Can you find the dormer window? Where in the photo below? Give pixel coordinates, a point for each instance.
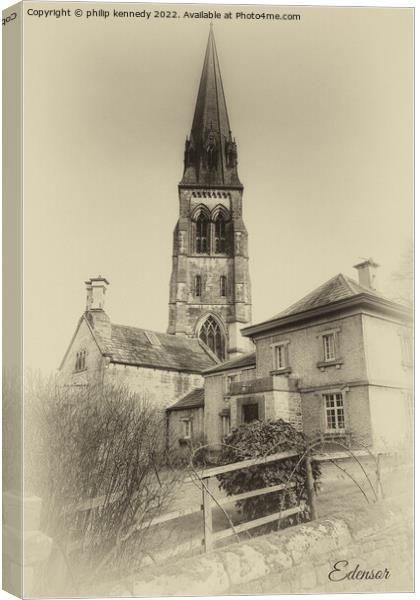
(80, 361)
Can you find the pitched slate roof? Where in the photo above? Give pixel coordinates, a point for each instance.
(337, 288)
(194, 399)
(133, 346)
(247, 360)
(334, 291)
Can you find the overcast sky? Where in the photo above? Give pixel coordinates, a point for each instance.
(321, 109)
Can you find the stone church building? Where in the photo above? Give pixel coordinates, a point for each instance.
(320, 364)
(210, 294)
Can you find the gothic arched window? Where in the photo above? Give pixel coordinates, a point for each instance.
(202, 235)
(223, 285)
(220, 235)
(212, 335)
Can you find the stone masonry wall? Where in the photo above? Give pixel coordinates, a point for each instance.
(158, 386)
(357, 417)
(305, 350)
(83, 341)
(297, 560)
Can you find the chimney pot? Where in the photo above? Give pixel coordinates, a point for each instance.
(366, 272)
(95, 293)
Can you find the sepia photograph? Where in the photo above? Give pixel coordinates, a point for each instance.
(208, 242)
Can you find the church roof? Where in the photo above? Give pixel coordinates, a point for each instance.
(247, 360)
(211, 126)
(194, 399)
(141, 347)
(332, 294)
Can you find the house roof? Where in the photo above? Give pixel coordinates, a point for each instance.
(247, 360)
(337, 288)
(194, 399)
(333, 293)
(141, 347)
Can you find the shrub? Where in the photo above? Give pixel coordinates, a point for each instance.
(96, 443)
(259, 439)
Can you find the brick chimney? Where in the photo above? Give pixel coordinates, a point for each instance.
(95, 302)
(366, 272)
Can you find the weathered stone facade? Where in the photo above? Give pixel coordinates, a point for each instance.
(336, 364)
(159, 367)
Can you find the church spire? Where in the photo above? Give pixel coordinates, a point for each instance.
(210, 151)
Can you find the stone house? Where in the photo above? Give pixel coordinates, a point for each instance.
(160, 367)
(330, 364)
(185, 420)
(337, 363)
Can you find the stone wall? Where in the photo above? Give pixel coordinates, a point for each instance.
(357, 418)
(176, 420)
(214, 404)
(297, 560)
(159, 386)
(93, 373)
(384, 359)
(305, 350)
(392, 418)
(234, 309)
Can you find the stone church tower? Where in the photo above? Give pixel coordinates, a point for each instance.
(210, 292)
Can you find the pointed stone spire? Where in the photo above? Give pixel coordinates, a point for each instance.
(210, 151)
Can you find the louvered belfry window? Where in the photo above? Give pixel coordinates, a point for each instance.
(202, 235)
(220, 235)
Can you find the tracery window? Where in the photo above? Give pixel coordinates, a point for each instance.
(212, 335)
(202, 235)
(220, 235)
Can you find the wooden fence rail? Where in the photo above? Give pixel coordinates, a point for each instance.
(203, 478)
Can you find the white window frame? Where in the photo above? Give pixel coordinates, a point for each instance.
(337, 410)
(283, 348)
(187, 425)
(329, 347)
